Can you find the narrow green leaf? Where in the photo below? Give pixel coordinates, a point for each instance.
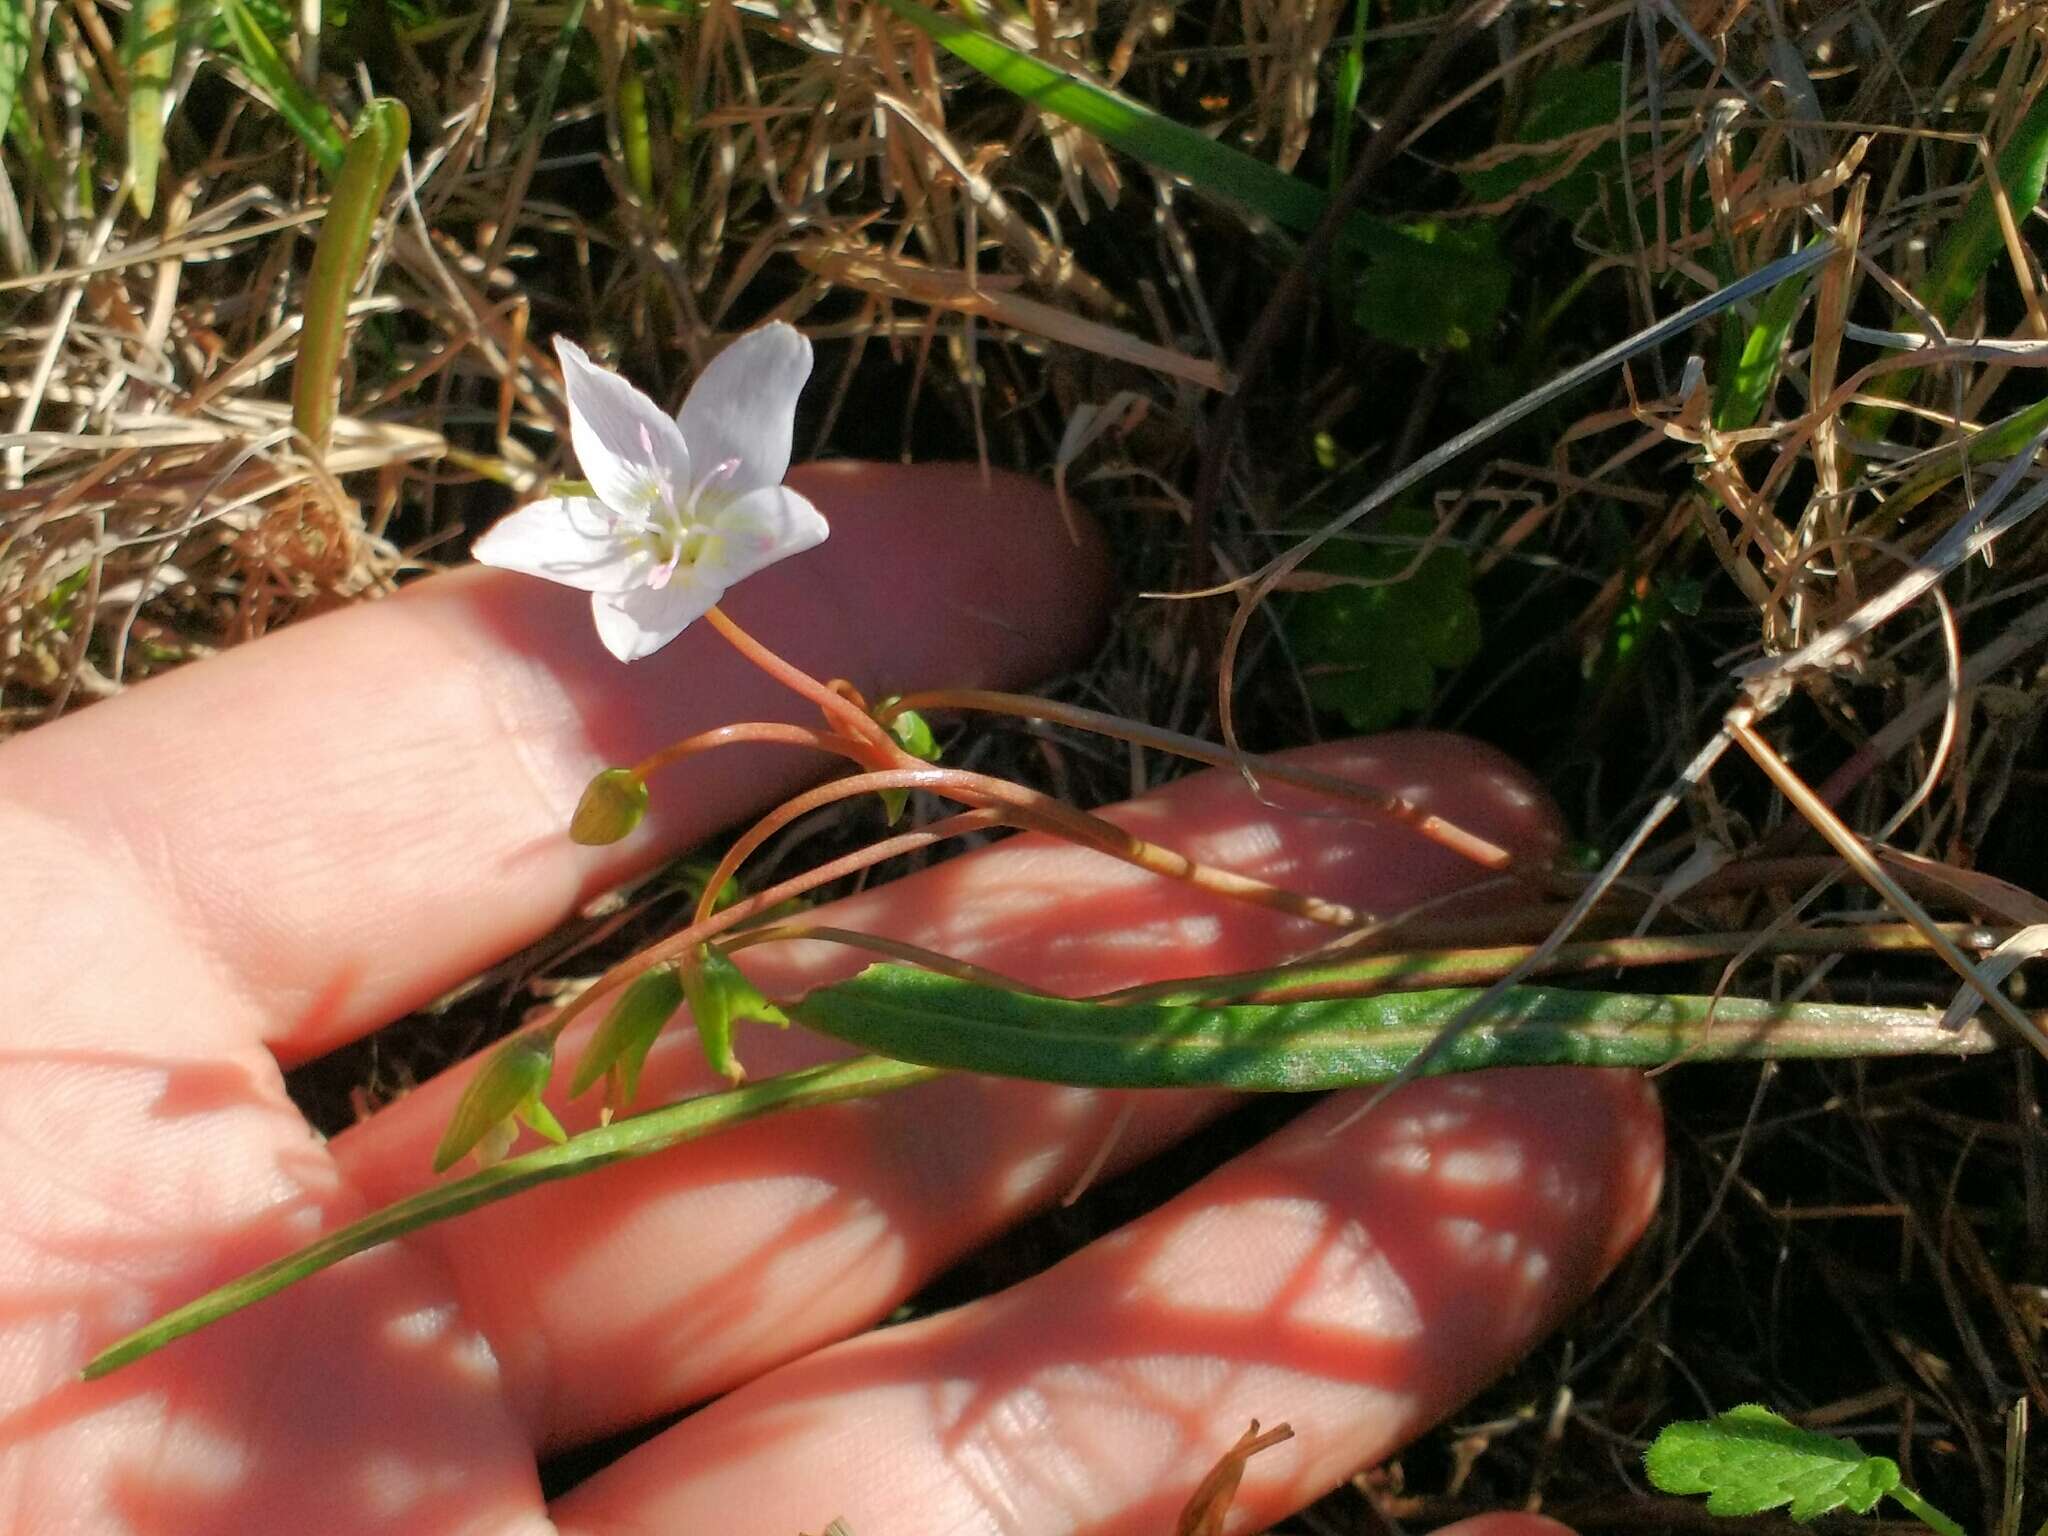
(267, 68)
(374, 150)
(13, 57)
(149, 54)
(1125, 124)
(1966, 253)
(1974, 242)
(1748, 1460)
(1344, 100)
(509, 1082)
(1744, 391)
(720, 994)
(622, 1041)
(2001, 440)
(1305, 1047)
(833, 1083)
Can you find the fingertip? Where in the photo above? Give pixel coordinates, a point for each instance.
(1507, 1522)
(1022, 586)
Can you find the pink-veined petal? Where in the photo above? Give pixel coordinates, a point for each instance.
(764, 526)
(634, 625)
(626, 444)
(742, 409)
(569, 539)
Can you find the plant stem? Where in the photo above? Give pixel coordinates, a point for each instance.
(680, 944)
(754, 731)
(853, 721)
(622, 1140)
(1401, 971)
(1446, 834)
(1926, 1513)
(1030, 810)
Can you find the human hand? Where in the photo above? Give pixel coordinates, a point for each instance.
(252, 862)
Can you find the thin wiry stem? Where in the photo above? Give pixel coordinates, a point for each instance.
(769, 732)
(1446, 834)
(685, 941)
(1030, 810)
(853, 721)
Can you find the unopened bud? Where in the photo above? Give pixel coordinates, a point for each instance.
(620, 1046)
(610, 809)
(719, 993)
(506, 1088)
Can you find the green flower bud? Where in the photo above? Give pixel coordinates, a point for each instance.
(719, 993)
(610, 809)
(619, 1048)
(913, 733)
(506, 1088)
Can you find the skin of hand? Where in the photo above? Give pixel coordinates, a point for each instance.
(242, 865)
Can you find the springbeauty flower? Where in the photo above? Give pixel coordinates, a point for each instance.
(683, 507)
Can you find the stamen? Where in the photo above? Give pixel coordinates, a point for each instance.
(661, 575)
(724, 469)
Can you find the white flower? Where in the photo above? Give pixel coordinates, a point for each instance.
(685, 507)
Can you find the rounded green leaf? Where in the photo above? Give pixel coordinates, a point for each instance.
(610, 809)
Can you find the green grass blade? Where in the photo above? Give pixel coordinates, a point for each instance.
(1334, 1043)
(1755, 374)
(13, 56)
(1124, 124)
(618, 1142)
(1965, 255)
(298, 106)
(374, 150)
(2001, 440)
(1344, 101)
(149, 55)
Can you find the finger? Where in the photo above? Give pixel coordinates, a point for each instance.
(288, 843)
(1506, 1522)
(1356, 1278)
(651, 1285)
(310, 835)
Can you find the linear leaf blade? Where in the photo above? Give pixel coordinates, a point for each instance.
(1329, 1043)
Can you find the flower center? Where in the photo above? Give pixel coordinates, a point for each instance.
(677, 531)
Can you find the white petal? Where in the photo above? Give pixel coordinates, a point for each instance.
(638, 623)
(571, 540)
(765, 526)
(626, 444)
(743, 406)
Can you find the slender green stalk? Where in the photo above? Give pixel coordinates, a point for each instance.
(149, 53)
(1406, 970)
(618, 1142)
(1926, 1513)
(374, 150)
